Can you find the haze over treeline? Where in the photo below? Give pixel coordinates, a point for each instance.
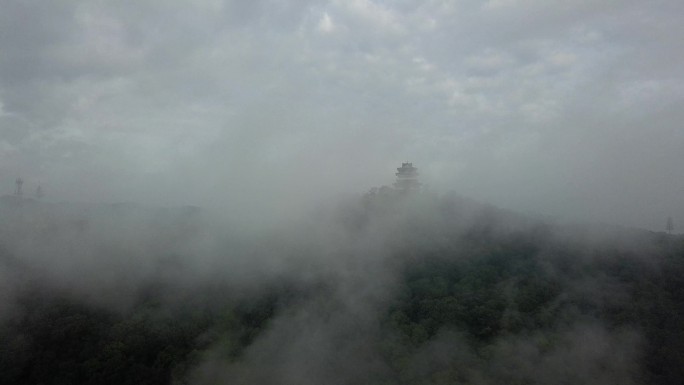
(570, 110)
(384, 288)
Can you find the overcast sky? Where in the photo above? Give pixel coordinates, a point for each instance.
(572, 109)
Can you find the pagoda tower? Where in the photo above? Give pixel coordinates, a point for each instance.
(407, 178)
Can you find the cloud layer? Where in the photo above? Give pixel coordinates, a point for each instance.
(568, 110)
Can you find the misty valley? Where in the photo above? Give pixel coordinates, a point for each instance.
(387, 287)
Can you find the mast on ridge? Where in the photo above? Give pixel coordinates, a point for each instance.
(19, 182)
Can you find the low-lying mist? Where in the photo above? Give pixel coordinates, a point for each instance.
(387, 287)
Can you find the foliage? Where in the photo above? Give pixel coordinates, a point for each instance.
(482, 295)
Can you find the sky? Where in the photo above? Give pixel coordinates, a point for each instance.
(568, 109)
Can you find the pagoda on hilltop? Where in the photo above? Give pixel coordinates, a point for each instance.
(407, 178)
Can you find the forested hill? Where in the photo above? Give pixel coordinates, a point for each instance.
(381, 289)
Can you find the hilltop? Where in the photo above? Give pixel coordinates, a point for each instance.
(381, 288)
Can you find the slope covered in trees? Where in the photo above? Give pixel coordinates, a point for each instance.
(382, 289)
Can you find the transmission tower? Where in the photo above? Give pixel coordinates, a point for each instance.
(19, 182)
(39, 192)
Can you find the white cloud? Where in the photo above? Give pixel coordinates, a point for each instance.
(490, 60)
(380, 16)
(325, 24)
(563, 59)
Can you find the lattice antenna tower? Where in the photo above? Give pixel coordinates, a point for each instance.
(19, 183)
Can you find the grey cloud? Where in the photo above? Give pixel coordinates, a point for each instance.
(519, 96)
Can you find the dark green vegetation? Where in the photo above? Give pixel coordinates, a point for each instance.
(395, 290)
(59, 340)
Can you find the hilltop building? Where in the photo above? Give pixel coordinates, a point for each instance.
(407, 178)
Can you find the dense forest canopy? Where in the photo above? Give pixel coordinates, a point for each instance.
(384, 288)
